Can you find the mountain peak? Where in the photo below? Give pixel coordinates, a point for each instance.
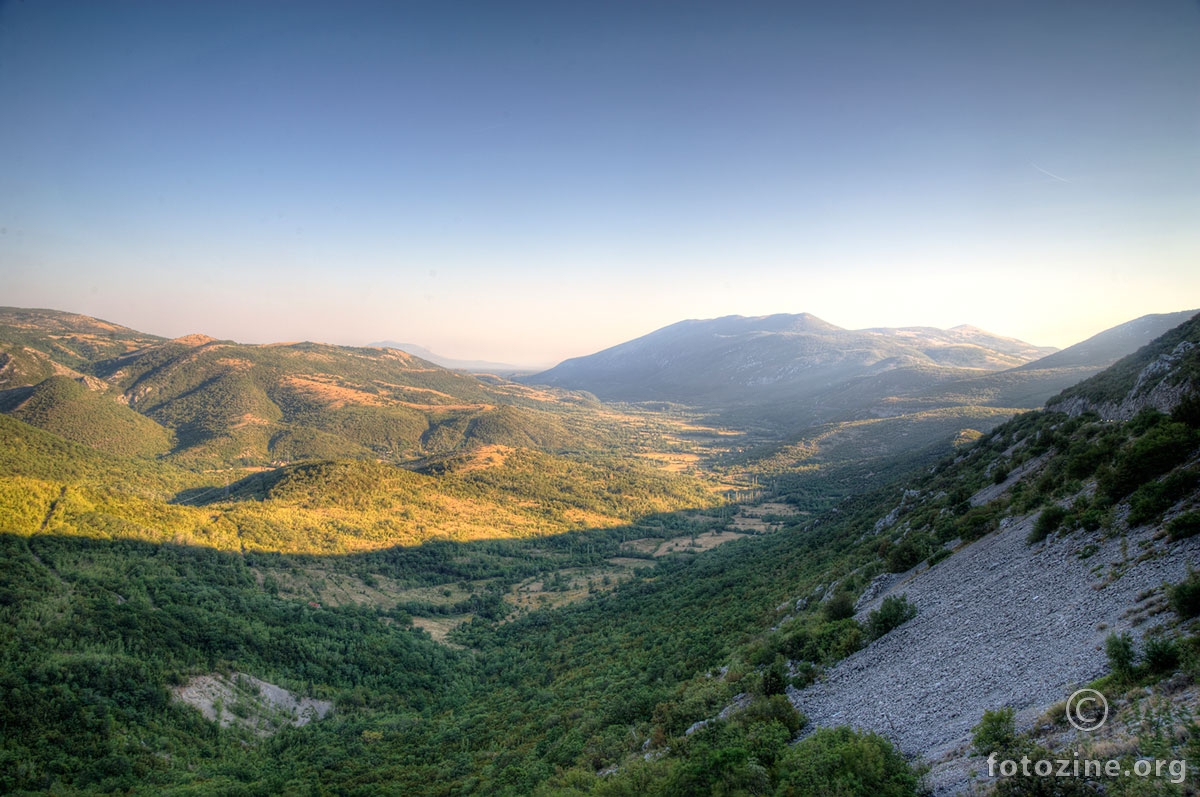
(796, 363)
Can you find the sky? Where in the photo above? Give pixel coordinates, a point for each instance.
(526, 182)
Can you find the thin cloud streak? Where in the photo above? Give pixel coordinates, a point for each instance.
(1050, 174)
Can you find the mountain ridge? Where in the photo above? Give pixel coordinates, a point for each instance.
(225, 403)
(748, 351)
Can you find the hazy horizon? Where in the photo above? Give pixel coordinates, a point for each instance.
(536, 181)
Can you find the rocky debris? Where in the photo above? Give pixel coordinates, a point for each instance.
(994, 491)
(252, 703)
(891, 517)
(876, 588)
(888, 520)
(999, 623)
(740, 701)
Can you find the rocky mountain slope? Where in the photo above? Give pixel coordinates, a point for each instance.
(999, 623)
(1019, 617)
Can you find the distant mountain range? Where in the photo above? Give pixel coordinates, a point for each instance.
(475, 366)
(736, 360)
(793, 381)
(793, 371)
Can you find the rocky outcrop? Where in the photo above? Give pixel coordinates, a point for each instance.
(249, 702)
(1158, 386)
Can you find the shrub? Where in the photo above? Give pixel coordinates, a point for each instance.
(806, 674)
(977, 522)
(1150, 500)
(1184, 526)
(774, 680)
(1185, 597)
(1091, 519)
(995, 733)
(1145, 420)
(1084, 457)
(819, 642)
(775, 708)
(1119, 649)
(908, 553)
(1161, 655)
(839, 607)
(893, 612)
(1048, 522)
(1157, 451)
(841, 762)
(1188, 411)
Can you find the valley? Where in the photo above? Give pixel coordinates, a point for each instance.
(485, 586)
(561, 399)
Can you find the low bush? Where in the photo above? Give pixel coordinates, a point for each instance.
(839, 607)
(1185, 597)
(1161, 655)
(909, 552)
(893, 612)
(1184, 526)
(995, 733)
(1047, 523)
(1150, 500)
(1119, 650)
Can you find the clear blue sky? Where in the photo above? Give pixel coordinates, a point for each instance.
(531, 181)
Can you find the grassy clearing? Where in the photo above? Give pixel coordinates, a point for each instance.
(440, 627)
(761, 518)
(572, 584)
(697, 543)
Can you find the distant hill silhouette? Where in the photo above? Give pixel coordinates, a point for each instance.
(478, 366)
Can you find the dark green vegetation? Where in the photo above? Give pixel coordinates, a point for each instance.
(123, 577)
(101, 630)
(65, 407)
